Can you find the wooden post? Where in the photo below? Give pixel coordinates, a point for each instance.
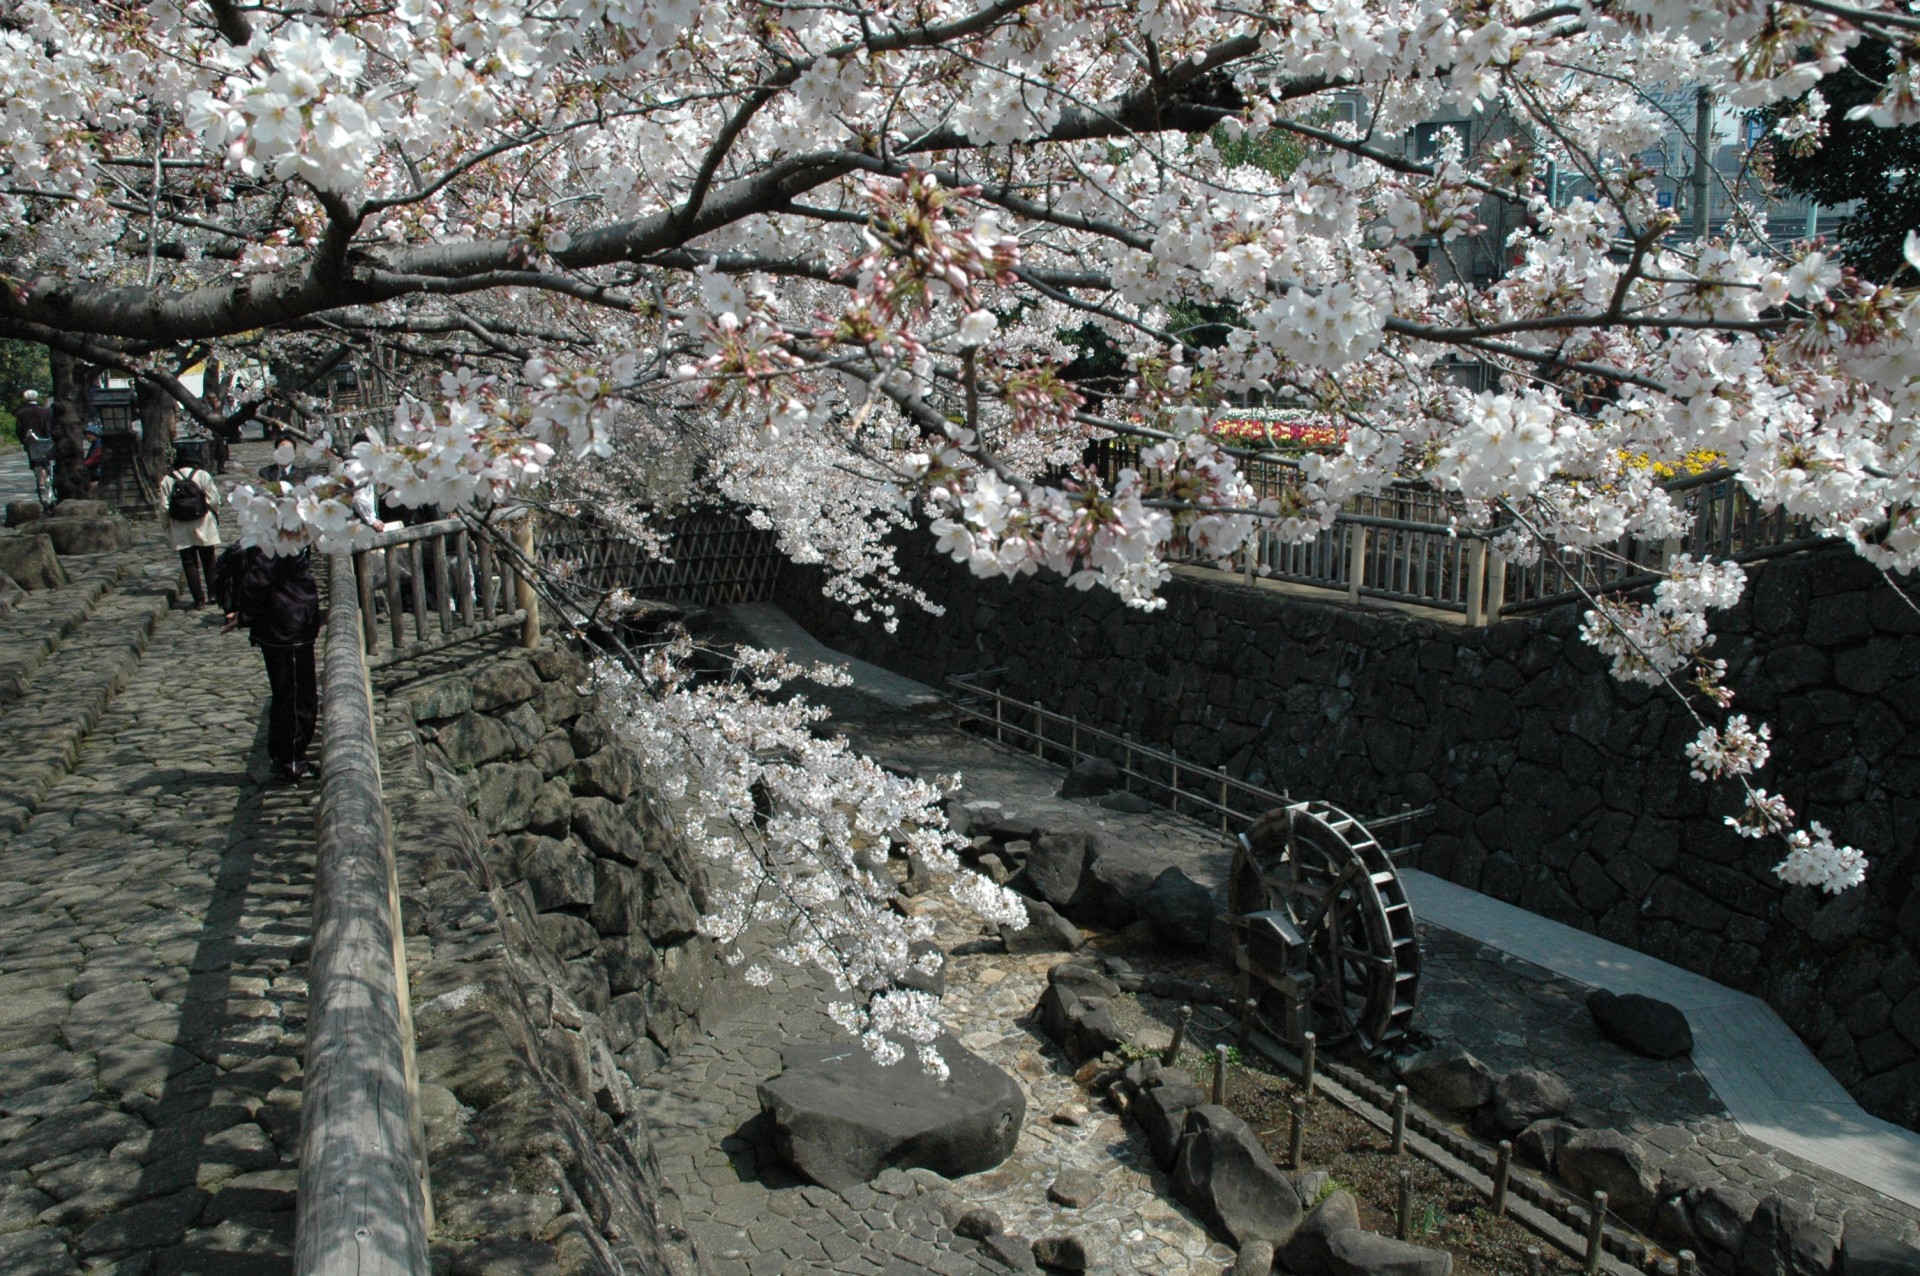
(1477, 584)
(442, 579)
(1297, 1135)
(1596, 1231)
(417, 556)
(1406, 1205)
(1502, 1172)
(463, 569)
(523, 584)
(363, 595)
(489, 586)
(396, 618)
(1536, 1259)
(1220, 1073)
(1308, 1048)
(1223, 798)
(1172, 1051)
(1399, 1120)
(1496, 586)
(1356, 560)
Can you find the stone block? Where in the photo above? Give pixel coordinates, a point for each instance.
(31, 561)
(473, 739)
(1609, 1161)
(86, 535)
(1224, 1175)
(1449, 1076)
(504, 795)
(507, 683)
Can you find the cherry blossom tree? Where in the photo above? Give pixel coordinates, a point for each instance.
(832, 249)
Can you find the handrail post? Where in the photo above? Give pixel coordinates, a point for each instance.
(1356, 560)
(1496, 586)
(523, 583)
(1477, 584)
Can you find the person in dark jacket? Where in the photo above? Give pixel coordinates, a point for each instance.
(280, 607)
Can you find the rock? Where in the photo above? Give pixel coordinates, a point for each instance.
(30, 560)
(472, 739)
(1075, 1011)
(1070, 1114)
(995, 869)
(1721, 1214)
(1609, 1161)
(1783, 1239)
(1090, 777)
(1449, 1076)
(1225, 1177)
(19, 512)
(1540, 1143)
(1527, 1095)
(840, 1118)
(79, 507)
(934, 982)
(1112, 881)
(86, 535)
(504, 797)
(610, 773)
(560, 874)
(1161, 1113)
(978, 1223)
(608, 830)
(552, 812)
(1062, 1253)
(1357, 1253)
(1053, 866)
(1641, 1024)
(440, 698)
(1254, 1259)
(1311, 1185)
(1866, 1252)
(1013, 1252)
(1308, 1251)
(1075, 1188)
(1181, 910)
(1046, 931)
(507, 683)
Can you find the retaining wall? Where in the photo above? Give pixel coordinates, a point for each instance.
(549, 917)
(1558, 788)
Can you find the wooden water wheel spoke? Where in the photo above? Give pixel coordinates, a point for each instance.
(1335, 947)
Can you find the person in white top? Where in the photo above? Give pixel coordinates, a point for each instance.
(188, 500)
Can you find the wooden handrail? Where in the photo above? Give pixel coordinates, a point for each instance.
(363, 1207)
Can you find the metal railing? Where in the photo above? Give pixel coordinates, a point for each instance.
(447, 584)
(1183, 786)
(363, 1205)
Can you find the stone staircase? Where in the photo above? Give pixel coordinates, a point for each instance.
(65, 653)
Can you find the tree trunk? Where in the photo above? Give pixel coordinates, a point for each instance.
(156, 444)
(71, 380)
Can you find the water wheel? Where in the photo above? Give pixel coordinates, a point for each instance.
(1324, 933)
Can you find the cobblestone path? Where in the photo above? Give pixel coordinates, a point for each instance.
(153, 934)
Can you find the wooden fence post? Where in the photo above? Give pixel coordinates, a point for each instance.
(1477, 584)
(528, 601)
(1356, 560)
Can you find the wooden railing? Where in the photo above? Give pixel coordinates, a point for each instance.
(1399, 545)
(1184, 786)
(713, 557)
(445, 583)
(363, 1206)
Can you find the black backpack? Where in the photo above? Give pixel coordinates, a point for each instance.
(187, 503)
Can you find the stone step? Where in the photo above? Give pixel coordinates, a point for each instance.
(37, 625)
(43, 731)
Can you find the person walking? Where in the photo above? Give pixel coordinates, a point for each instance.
(190, 498)
(34, 421)
(279, 605)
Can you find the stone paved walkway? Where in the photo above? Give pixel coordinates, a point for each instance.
(153, 935)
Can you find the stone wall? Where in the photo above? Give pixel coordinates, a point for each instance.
(1557, 788)
(549, 916)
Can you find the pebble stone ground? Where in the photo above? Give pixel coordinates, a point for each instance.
(153, 935)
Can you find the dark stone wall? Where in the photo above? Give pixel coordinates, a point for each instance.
(1558, 788)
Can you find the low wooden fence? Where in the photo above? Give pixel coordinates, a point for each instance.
(363, 1206)
(444, 583)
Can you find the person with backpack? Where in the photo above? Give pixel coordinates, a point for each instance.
(190, 497)
(279, 605)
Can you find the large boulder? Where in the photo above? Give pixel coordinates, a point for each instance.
(840, 1118)
(1309, 1251)
(86, 535)
(1643, 1025)
(1609, 1161)
(29, 511)
(1527, 1095)
(1540, 1143)
(1867, 1252)
(1090, 777)
(1046, 931)
(79, 507)
(1053, 866)
(1076, 1011)
(1720, 1216)
(1161, 1110)
(30, 559)
(1449, 1076)
(1784, 1239)
(1181, 910)
(1226, 1178)
(1357, 1253)
(1116, 875)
